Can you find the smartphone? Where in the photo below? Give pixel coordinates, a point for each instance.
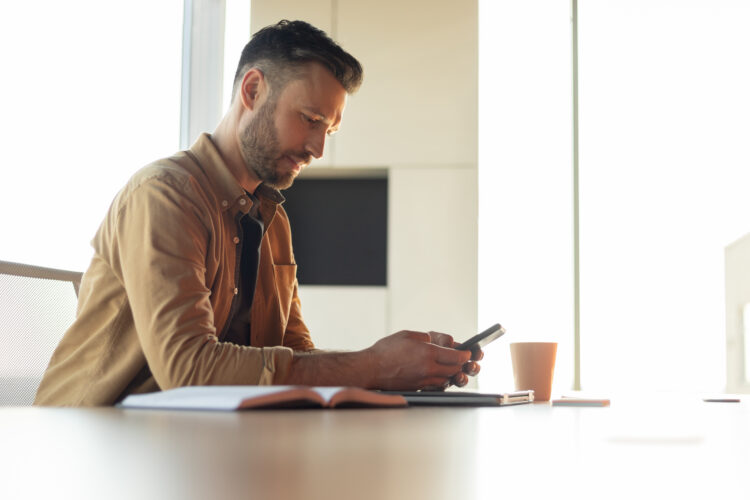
(482, 339)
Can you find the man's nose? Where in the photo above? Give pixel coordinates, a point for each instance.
(316, 144)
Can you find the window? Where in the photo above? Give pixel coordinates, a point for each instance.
(236, 36)
(525, 202)
(664, 169)
(90, 93)
(664, 176)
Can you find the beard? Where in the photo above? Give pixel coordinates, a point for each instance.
(261, 149)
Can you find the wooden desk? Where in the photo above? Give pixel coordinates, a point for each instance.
(679, 448)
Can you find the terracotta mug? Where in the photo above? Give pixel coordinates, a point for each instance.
(534, 367)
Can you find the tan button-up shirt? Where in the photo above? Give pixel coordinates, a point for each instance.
(161, 287)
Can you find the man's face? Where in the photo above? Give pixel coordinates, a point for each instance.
(290, 128)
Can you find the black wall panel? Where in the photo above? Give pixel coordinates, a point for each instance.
(339, 230)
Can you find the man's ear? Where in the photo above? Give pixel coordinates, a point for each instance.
(253, 88)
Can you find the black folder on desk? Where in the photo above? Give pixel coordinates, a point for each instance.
(462, 398)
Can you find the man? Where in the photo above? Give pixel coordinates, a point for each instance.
(193, 280)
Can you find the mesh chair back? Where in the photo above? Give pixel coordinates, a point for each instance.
(37, 305)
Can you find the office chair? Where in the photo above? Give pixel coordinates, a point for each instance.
(37, 305)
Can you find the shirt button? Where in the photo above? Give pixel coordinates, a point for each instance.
(243, 201)
(224, 203)
(236, 291)
(236, 239)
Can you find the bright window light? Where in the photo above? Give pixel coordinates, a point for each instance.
(664, 170)
(525, 172)
(236, 35)
(664, 176)
(89, 94)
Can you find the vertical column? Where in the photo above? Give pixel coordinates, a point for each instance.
(576, 234)
(202, 68)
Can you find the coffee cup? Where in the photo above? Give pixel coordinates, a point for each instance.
(534, 367)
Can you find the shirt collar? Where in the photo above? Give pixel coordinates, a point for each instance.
(228, 190)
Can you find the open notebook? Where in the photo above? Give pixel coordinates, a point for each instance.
(240, 397)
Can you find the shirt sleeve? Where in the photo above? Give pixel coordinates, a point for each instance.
(159, 252)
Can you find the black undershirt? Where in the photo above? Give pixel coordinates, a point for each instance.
(251, 235)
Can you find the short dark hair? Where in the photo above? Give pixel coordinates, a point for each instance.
(281, 50)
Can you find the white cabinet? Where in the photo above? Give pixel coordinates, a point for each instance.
(432, 250)
(347, 318)
(418, 103)
(319, 13)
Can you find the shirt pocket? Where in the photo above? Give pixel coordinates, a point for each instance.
(286, 278)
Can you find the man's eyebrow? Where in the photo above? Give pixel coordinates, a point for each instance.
(319, 116)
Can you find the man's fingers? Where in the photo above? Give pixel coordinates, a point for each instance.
(443, 371)
(448, 356)
(477, 355)
(411, 359)
(460, 380)
(471, 368)
(420, 336)
(442, 339)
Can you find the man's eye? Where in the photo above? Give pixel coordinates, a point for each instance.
(310, 119)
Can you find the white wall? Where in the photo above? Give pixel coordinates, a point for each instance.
(345, 318)
(416, 116)
(737, 282)
(432, 252)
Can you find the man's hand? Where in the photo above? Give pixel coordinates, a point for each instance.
(471, 367)
(410, 360)
(405, 361)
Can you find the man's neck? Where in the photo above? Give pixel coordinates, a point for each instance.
(226, 141)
